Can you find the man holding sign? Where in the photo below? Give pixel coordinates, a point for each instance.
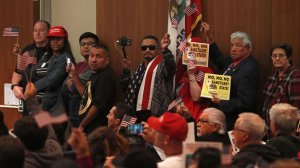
(244, 72)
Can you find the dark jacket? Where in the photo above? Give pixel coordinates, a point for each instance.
(244, 85)
(287, 145)
(251, 153)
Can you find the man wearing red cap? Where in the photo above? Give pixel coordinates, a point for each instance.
(170, 131)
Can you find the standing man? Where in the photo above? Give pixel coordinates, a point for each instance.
(72, 92)
(150, 89)
(37, 50)
(99, 93)
(244, 72)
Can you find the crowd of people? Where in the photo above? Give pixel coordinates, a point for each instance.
(96, 136)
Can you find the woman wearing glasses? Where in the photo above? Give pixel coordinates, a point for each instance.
(283, 85)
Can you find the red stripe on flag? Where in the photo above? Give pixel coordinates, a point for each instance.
(148, 80)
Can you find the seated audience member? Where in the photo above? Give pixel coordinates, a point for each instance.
(206, 157)
(212, 126)
(11, 153)
(133, 159)
(79, 143)
(248, 132)
(170, 132)
(64, 163)
(285, 163)
(41, 145)
(3, 127)
(116, 115)
(105, 142)
(284, 119)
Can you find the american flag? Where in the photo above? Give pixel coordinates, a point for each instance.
(200, 76)
(174, 21)
(24, 60)
(189, 10)
(11, 31)
(182, 45)
(127, 120)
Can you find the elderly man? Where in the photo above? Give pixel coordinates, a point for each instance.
(170, 132)
(212, 126)
(248, 132)
(244, 72)
(150, 89)
(284, 119)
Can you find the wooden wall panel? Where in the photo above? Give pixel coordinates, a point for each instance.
(250, 16)
(14, 13)
(133, 18)
(286, 25)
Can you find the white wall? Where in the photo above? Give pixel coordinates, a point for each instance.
(77, 17)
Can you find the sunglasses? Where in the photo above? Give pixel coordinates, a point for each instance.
(151, 47)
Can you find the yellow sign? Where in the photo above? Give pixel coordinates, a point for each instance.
(197, 52)
(216, 84)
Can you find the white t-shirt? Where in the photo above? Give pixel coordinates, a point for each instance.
(171, 162)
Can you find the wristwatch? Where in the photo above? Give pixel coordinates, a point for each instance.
(13, 85)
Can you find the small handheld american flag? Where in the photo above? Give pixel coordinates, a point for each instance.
(127, 120)
(11, 31)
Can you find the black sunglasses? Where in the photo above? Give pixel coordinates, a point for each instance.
(151, 47)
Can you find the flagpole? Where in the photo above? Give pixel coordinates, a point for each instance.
(120, 124)
(18, 40)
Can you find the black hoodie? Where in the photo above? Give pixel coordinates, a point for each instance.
(250, 153)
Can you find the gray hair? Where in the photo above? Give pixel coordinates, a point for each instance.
(216, 116)
(253, 124)
(243, 36)
(285, 117)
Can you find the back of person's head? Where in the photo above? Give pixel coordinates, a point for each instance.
(242, 36)
(171, 124)
(3, 127)
(104, 142)
(121, 110)
(253, 124)
(27, 130)
(218, 117)
(285, 117)
(139, 158)
(11, 153)
(89, 35)
(285, 163)
(64, 163)
(207, 157)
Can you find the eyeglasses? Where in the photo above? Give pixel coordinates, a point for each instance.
(89, 44)
(274, 56)
(151, 47)
(237, 129)
(203, 120)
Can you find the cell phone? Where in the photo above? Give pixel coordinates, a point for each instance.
(134, 129)
(69, 63)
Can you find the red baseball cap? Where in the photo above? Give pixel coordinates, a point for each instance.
(57, 31)
(171, 124)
